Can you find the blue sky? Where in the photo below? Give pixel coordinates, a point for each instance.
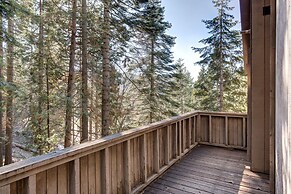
(185, 17)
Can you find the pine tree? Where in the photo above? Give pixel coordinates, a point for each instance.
(69, 100)
(155, 60)
(221, 62)
(84, 94)
(1, 94)
(182, 90)
(9, 104)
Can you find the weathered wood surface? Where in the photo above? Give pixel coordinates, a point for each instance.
(208, 169)
(125, 162)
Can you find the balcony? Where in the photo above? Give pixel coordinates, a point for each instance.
(198, 152)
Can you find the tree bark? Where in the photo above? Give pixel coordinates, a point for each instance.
(152, 80)
(221, 87)
(84, 134)
(9, 104)
(69, 103)
(106, 72)
(1, 97)
(40, 79)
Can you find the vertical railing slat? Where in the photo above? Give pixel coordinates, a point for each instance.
(167, 145)
(74, 186)
(127, 167)
(157, 151)
(105, 174)
(210, 129)
(226, 130)
(244, 132)
(189, 131)
(31, 184)
(144, 158)
(199, 128)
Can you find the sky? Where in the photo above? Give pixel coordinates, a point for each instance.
(186, 18)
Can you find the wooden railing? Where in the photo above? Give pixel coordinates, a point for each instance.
(125, 162)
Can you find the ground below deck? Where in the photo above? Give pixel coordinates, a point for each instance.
(208, 169)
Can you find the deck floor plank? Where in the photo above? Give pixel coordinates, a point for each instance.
(208, 169)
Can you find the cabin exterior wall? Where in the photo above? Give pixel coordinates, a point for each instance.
(283, 98)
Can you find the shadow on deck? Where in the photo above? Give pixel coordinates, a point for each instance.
(208, 169)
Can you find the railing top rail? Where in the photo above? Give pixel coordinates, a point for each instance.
(68, 154)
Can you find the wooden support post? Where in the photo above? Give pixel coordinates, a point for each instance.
(144, 158)
(127, 167)
(184, 145)
(210, 129)
(199, 128)
(180, 138)
(52, 184)
(157, 151)
(176, 140)
(226, 131)
(189, 131)
(194, 130)
(75, 176)
(168, 145)
(31, 184)
(105, 174)
(244, 132)
(5, 189)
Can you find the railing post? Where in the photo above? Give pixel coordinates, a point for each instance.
(176, 140)
(189, 120)
(199, 128)
(226, 130)
(127, 167)
(31, 184)
(210, 129)
(244, 132)
(194, 130)
(156, 151)
(5, 189)
(75, 176)
(184, 135)
(168, 146)
(106, 172)
(180, 138)
(144, 158)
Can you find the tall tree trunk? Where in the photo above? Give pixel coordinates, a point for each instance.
(40, 79)
(221, 87)
(1, 97)
(69, 103)
(84, 125)
(152, 80)
(106, 71)
(47, 103)
(9, 104)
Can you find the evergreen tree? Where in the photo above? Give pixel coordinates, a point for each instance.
(221, 63)
(155, 60)
(182, 90)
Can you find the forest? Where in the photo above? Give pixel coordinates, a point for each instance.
(75, 71)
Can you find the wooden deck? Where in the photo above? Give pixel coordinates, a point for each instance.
(208, 169)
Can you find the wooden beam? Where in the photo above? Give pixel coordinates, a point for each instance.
(199, 128)
(31, 184)
(210, 129)
(127, 167)
(157, 151)
(105, 173)
(168, 145)
(244, 133)
(226, 131)
(144, 158)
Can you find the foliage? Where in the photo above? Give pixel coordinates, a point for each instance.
(221, 80)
